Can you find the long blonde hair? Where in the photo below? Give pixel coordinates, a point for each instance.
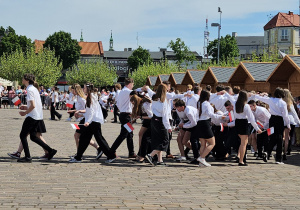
(288, 99)
(161, 92)
(137, 106)
(78, 90)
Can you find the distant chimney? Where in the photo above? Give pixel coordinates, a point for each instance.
(129, 49)
(234, 34)
(291, 13)
(125, 49)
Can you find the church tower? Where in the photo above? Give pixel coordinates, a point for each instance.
(111, 43)
(81, 38)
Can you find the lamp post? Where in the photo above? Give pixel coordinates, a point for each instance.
(217, 25)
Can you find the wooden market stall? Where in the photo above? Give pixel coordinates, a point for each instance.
(252, 76)
(151, 80)
(160, 79)
(192, 77)
(286, 75)
(175, 79)
(217, 75)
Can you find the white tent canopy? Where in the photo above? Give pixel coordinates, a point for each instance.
(5, 82)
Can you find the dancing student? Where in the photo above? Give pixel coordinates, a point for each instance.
(70, 100)
(54, 102)
(92, 126)
(41, 128)
(189, 117)
(294, 120)
(219, 150)
(142, 108)
(80, 103)
(160, 125)
(243, 114)
(205, 134)
(125, 107)
(279, 117)
(34, 113)
(261, 115)
(195, 97)
(118, 88)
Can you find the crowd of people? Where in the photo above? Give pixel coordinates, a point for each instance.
(219, 124)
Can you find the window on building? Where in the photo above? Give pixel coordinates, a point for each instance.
(284, 35)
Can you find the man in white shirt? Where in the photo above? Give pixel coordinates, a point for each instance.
(218, 100)
(55, 100)
(34, 113)
(125, 107)
(195, 97)
(118, 89)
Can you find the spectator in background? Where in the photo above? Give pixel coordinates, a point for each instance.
(1, 91)
(11, 95)
(19, 93)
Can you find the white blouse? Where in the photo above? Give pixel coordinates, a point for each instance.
(146, 108)
(160, 109)
(208, 112)
(94, 112)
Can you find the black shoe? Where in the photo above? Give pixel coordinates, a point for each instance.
(194, 161)
(243, 164)
(284, 157)
(150, 159)
(59, 118)
(265, 157)
(161, 164)
(25, 160)
(114, 122)
(237, 159)
(288, 153)
(255, 154)
(186, 152)
(51, 154)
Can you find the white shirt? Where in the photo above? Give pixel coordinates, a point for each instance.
(277, 106)
(262, 115)
(159, 109)
(294, 119)
(147, 108)
(116, 95)
(55, 97)
(208, 112)
(216, 121)
(193, 101)
(123, 101)
(33, 95)
(219, 101)
(192, 114)
(94, 112)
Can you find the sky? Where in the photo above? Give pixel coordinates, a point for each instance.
(154, 22)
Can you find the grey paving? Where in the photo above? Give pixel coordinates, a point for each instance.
(125, 185)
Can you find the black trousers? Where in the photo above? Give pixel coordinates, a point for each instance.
(53, 112)
(116, 113)
(124, 134)
(276, 137)
(195, 142)
(219, 148)
(262, 142)
(30, 126)
(233, 140)
(86, 135)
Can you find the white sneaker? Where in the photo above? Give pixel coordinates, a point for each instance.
(73, 160)
(181, 159)
(280, 163)
(203, 162)
(110, 160)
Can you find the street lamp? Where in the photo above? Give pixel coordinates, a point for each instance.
(219, 26)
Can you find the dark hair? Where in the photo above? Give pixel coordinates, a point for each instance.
(227, 88)
(196, 89)
(127, 81)
(179, 103)
(133, 93)
(236, 89)
(208, 87)
(252, 102)
(204, 96)
(219, 88)
(227, 103)
(172, 89)
(90, 90)
(279, 93)
(30, 78)
(241, 101)
(166, 82)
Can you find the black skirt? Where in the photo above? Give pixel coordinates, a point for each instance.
(81, 126)
(41, 128)
(159, 134)
(242, 126)
(204, 129)
(146, 123)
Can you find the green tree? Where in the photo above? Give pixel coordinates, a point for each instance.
(139, 57)
(182, 52)
(153, 69)
(67, 50)
(96, 72)
(44, 66)
(228, 48)
(10, 41)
